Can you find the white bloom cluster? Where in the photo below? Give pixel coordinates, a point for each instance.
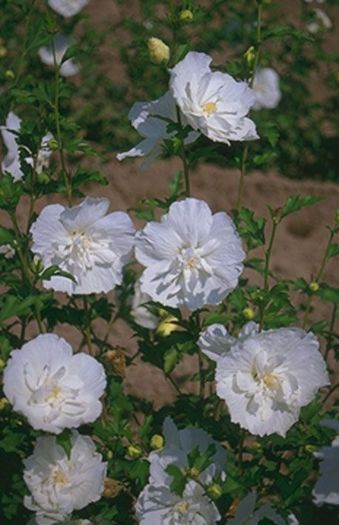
(59, 483)
(262, 376)
(53, 388)
(157, 504)
(67, 8)
(212, 103)
(266, 88)
(11, 163)
(326, 489)
(85, 242)
(192, 257)
(54, 53)
(151, 119)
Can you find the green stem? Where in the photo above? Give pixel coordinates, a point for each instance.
(183, 157)
(242, 177)
(268, 254)
(87, 328)
(66, 175)
(331, 328)
(317, 279)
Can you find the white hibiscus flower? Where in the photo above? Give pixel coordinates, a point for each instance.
(7, 251)
(85, 242)
(320, 21)
(58, 48)
(266, 88)
(11, 163)
(178, 445)
(60, 483)
(157, 505)
(326, 489)
(53, 388)
(141, 315)
(148, 118)
(67, 8)
(247, 515)
(215, 341)
(192, 257)
(213, 102)
(263, 378)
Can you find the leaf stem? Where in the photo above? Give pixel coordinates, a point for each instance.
(184, 159)
(268, 254)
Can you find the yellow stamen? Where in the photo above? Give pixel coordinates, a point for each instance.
(209, 108)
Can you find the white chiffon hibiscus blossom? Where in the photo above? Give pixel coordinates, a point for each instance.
(54, 53)
(11, 163)
(60, 483)
(263, 377)
(266, 88)
(85, 242)
(178, 445)
(158, 505)
(326, 489)
(53, 388)
(67, 8)
(213, 102)
(192, 257)
(151, 119)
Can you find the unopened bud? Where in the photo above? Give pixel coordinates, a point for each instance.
(167, 326)
(109, 454)
(3, 51)
(111, 488)
(53, 144)
(248, 313)
(214, 491)
(2, 364)
(157, 442)
(3, 403)
(186, 15)
(193, 472)
(314, 286)
(249, 56)
(43, 178)
(37, 264)
(311, 448)
(159, 52)
(9, 74)
(117, 359)
(134, 451)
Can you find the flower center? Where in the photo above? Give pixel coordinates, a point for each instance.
(270, 380)
(59, 477)
(209, 108)
(182, 507)
(54, 394)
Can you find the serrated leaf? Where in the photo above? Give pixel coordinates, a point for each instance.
(333, 250)
(297, 202)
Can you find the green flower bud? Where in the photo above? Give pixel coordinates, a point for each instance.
(9, 74)
(186, 15)
(214, 491)
(248, 313)
(314, 286)
(134, 451)
(157, 441)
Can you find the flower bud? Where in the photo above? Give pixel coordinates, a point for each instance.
(311, 448)
(134, 451)
(37, 265)
(167, 326)
(109, 454)
(3, 403)
(214, 491)
(186, 15)
(249, 56)
(314, 286)
(248, 313)
(117, 359)
(9, 74)
(2, 364)
(112, 488)
(3, 51)
(158, 51)
(193, 472)
(43, 178)
(53, 144)
(157, 441)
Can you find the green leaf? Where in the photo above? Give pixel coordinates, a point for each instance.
(297, 202)
(15, 306)
(333, 250)
(83, 176)
(181, 52)
(252, 229)
(172, 358)
(287, 30)
(53, 271)
(179, 479)
(328, 293)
